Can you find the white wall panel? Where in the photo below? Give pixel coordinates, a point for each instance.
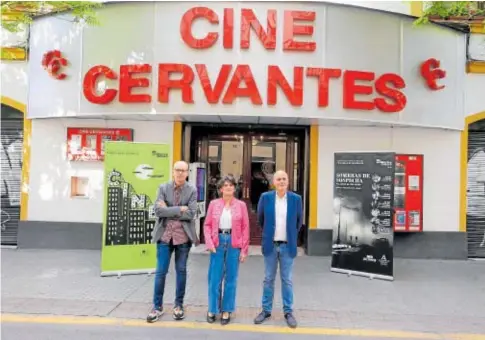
(49, 97)
(425, 105)
(125, 38)
(441, 150)
(50, 171)
(402, 7)
(474, 93)
(14, 79)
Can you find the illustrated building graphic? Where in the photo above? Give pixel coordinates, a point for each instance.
(130, 218)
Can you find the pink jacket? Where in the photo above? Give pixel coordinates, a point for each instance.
(240, 225)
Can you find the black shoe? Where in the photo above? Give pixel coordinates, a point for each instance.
(178, 313)
(225, 321)
(290, 320)
(154, 314)
(262, 317)
(211, 318)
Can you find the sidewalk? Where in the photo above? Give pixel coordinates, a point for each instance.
(426, 296)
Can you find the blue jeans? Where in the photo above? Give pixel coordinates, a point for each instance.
(224, 265)
(279, 255)
(164, 255)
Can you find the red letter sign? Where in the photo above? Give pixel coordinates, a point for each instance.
(351, 89)
(127, 83)
(228, 28)
(276, 77)
(213, 94)
(184, 83)
(53, 61)
(249, 20)
(324, 75)
(397, 96)
(186, 27)
(89, 85)
(290, 30)
(431, 72)
(242, 73)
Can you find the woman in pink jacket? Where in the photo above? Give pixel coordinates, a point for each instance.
(226, 231)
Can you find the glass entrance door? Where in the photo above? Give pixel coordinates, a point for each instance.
(225, 157)
(252, 158)
(266, 155)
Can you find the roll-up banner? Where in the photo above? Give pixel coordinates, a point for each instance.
(132, 175)
(363, 233)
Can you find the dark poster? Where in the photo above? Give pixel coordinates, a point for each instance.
(363, 206)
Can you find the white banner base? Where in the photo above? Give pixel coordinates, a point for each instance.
(356, 273)
(128, 272)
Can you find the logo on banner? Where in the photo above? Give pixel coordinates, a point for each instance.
(369, 258)
(159, 154)
(143, 171)
(384, 261)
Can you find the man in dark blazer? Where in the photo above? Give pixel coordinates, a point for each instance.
(175, 208)
(280, 216)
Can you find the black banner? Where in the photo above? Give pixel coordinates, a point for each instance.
(363, 233)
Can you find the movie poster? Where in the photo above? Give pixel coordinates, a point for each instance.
(363, 209)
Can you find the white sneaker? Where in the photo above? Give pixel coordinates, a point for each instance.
(154, 315)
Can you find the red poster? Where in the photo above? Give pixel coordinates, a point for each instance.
(408, 193)
(87, 144)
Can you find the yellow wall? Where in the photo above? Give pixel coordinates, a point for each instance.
(8, 52)
(416, 8)
(177, 142)
(24, 195)
(313, 185)
(476, 66)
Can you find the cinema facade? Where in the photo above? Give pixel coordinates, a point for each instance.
(245, 88)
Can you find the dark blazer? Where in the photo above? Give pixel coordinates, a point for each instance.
(267, 220)
(188, 198)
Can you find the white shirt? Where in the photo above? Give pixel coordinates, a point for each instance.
(281, 207)
(225, 223)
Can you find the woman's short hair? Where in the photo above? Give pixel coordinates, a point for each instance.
(224, 180)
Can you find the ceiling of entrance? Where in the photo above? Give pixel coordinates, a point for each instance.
(235, 119)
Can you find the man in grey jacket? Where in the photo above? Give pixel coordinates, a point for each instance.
(175, 208)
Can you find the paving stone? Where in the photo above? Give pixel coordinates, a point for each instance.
(426, 295)
(57, 306)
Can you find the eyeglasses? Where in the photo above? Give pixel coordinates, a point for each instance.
(180, 170)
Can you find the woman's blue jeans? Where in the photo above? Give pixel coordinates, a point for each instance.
(223, 268)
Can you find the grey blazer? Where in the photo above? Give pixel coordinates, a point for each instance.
(188, 198)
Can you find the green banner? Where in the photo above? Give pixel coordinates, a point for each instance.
(133, 172)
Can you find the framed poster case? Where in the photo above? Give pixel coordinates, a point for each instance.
(88, 144)
(408, 193)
